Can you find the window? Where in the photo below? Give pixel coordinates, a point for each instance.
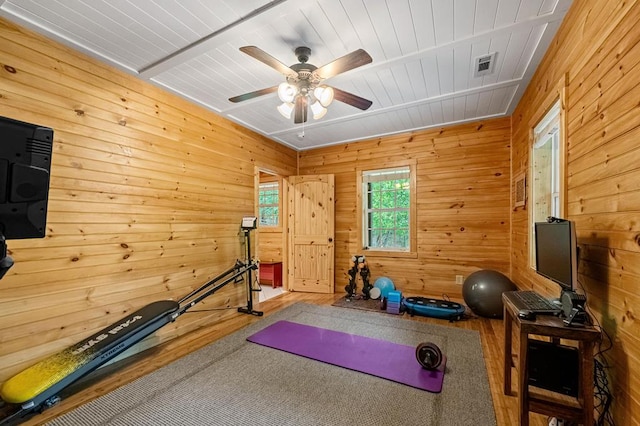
(269, 204)
(387, 209)
(547, 171)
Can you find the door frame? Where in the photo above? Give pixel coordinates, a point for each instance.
(283, 219)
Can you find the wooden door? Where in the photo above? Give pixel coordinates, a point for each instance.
(311, 231)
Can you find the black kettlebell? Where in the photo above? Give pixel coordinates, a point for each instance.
(429, 355)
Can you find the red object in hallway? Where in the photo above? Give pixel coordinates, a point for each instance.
(271, 273)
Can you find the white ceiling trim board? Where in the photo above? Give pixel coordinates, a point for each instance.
(415, 129)
(210, 42)
(386, 110)
(18, 15)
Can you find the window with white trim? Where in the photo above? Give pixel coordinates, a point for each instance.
(269, 204)
(546, 172)
(386, 209)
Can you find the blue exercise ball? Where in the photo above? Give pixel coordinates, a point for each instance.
(482, 292)
(385, 285)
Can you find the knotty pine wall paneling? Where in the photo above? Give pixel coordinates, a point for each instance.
(271, 239)
(462, 203)
(597, 50)
(146, 197)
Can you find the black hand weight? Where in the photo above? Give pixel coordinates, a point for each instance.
(429, 355)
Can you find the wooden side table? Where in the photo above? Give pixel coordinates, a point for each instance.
(542, 401)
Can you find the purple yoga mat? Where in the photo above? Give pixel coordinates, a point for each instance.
(377, 357)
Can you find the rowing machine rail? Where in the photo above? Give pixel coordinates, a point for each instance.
(37, 387)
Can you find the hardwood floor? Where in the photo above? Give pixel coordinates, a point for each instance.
(111, 377)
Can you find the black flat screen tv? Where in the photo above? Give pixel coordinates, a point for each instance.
(557, 252)
(25, 165)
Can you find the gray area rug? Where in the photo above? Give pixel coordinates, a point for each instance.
(235, 382)
(361, 303)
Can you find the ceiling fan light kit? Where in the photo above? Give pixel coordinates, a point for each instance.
(318, 110)
(286, 109)
(303, 89)
(320, 98)
(324, 95)
(287, 92)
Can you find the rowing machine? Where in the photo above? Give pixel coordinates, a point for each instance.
(37, 387)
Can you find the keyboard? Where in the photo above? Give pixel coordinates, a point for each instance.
(532, 301)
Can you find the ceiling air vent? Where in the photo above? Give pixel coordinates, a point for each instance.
(483, 65)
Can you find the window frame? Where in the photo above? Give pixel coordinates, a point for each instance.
(555, 100)
(362, 211)
(278, 181)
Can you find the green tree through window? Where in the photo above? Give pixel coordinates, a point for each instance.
(269, 204)
(387, 210)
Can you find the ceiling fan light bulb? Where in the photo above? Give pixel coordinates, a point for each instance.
(286, 109)
(286, 92)
(324, 95)
(318, 110)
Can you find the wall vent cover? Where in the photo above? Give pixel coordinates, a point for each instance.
(483, 65)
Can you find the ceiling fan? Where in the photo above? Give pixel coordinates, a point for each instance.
(303, 89)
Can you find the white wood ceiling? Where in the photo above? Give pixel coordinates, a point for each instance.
(423, 54)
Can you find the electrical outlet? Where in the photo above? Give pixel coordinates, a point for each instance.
(459, 279)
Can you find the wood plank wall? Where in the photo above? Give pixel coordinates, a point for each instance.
(137, 214)
(271, 241)
(271, 245)
(462, 203)
(147, 194)
(597, 51)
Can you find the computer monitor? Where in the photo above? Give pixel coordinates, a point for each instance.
(557, 252)
(25, 165)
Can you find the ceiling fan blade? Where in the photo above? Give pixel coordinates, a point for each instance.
(351, 99)
(265, 58)
(352, 60)
(255, 94)
(300, 111)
